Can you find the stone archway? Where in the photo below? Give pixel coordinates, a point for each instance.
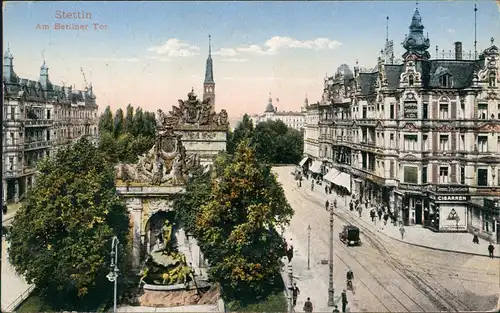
(153, 228)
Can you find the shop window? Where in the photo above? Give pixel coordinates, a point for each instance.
(410, 174)
(482, 177)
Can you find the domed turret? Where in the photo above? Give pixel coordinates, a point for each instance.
(415, 43)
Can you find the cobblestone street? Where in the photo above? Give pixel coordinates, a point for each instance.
(390, 275)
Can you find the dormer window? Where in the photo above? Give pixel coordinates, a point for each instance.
(410, 80)
(492, 80)
(445, 80)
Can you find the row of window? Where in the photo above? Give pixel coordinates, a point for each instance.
(410, 175)
(38, 113)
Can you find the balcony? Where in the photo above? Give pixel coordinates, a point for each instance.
(37, 145)
(366, 122)
(37, 123)
(12, 147)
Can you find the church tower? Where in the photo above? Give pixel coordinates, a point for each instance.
(209, 84)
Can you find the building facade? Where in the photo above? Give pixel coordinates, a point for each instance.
(421, 137)
(38, 118)
(291, 119)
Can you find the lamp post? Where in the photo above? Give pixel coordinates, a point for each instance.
(113, 274)
(309, 247)
(331, 291)
(290, 288)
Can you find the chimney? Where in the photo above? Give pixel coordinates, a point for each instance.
(458, 50)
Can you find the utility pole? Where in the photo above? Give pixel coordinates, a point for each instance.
(309, 247)
(290, 289)
(331, 291)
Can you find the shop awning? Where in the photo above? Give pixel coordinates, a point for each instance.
(344, 180)
(316, 167)
(330, 176)
(304, 160)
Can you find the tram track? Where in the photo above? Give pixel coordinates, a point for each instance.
(438, 295)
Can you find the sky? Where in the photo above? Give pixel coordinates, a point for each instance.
(151, 54)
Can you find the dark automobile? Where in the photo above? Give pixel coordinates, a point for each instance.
(350, 236)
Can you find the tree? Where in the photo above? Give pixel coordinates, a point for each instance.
(106, 121)
(138, 123)
(118, 123)
(236, 221)
(244, 130)
(129, 119)
(60, 238)
(276, 143)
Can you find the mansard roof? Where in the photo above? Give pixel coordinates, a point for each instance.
(461, 71)
(393, 73)
(367, 82)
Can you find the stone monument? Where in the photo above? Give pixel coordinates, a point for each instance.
(203, 131)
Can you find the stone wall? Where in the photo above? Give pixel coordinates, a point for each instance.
(204, 142)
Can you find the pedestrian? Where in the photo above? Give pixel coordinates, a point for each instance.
(386, 218)
(327, 204)
(475, 239)
(366, 204)
(300, 181)
(289, 254)
(308, 306)
(312, 185)
(344, 300)
(372, 214)
(335, 203)
(4, 209)
(336, 309)
(402, 231)
(295, 293)
(351, 206)
(380, 213)
(491, 248)
(360, 209)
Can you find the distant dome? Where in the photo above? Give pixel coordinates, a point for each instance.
(270, 107)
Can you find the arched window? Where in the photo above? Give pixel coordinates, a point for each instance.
(492, 79)
(410, 80)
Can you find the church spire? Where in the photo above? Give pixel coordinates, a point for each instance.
(209, 72)
(209, 84)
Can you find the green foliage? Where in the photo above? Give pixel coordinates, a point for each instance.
(273, 301)
(118, 123)
(123, 139)
(236, 222)
(243, 131)
(274, 142)
(60, 238)
(106, 121)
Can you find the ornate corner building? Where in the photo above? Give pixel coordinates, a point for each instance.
(421, 137)
(38, 118)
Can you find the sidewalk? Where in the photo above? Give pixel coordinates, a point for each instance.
(415, 235)
(11, 212)
(313, 283)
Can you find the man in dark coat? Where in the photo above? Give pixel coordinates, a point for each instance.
(327, 204)
(295, 293)
(351, 206)
(379, 212)
(289, 253)
(344, 300)
(491, 248)
(475, 239)
(308, 306)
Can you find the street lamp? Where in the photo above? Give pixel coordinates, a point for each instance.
(331, 291)
(113, 274)
(290, 289)
(309, 247)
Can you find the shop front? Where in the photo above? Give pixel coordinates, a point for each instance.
(484, 216)
(450, 212)
(413, 202)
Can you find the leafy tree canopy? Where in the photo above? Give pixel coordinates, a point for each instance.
(235, 222)
(60, 238)
(274, 142)
(124, 138)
